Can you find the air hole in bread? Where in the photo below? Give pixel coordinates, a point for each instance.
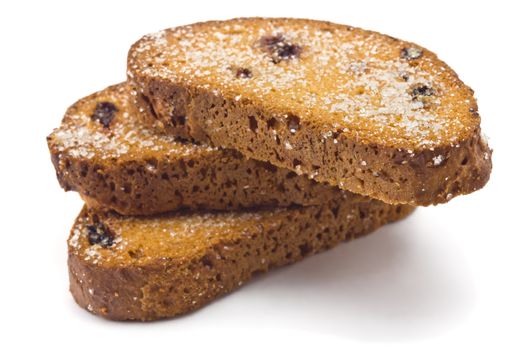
(83, 169)
(335, 211)
(178, 120)
(136, 253)
(206, 261)
(253, 123)
(272, 123)
(151, 164)
(305, 249)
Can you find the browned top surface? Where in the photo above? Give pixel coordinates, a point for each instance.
(124, 138)
(373, 88)
(143, 240)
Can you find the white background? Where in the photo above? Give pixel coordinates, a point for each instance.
(449, 276)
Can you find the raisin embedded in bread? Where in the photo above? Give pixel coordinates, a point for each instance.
(360, 110)
(106, 150)
(148, 268)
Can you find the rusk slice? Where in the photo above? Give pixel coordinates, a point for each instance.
(148, 268)
(106, 151)
(360, 110)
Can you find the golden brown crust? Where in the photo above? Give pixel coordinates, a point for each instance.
(368, 113)
(126, 167)
(161, 267)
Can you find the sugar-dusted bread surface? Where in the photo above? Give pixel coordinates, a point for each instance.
(360, 110)
(107, 150)
(148, 268)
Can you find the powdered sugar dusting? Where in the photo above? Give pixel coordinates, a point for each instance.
(437, 160)
(81, 137)
(166, 236)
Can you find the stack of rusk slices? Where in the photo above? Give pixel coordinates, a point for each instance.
(238, 146)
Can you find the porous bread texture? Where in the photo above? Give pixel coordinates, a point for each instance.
(360, 110)
(123, 165)
(149, 268)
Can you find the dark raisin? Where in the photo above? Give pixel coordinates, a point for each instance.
(279, 49)
(244, 73)
(420, 91)
(104, 113)
(411, 53)
(98, 233)
(286, 51)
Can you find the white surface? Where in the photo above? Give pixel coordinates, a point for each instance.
(451, 275)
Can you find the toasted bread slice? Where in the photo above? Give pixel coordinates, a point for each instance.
(105, 150)
(369, 113)
(148, 268)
